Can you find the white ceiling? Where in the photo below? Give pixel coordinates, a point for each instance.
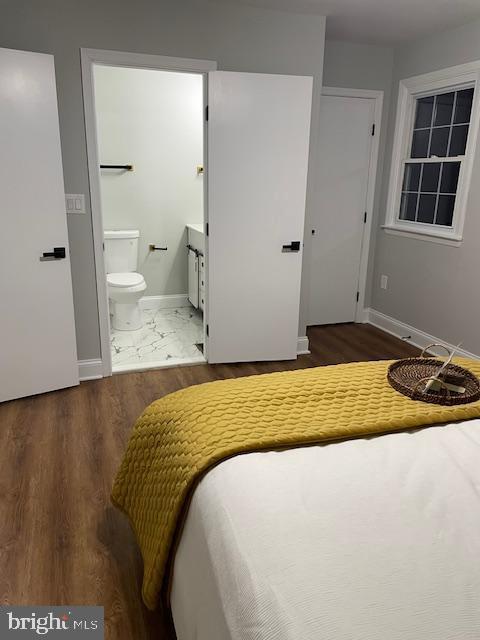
(387, 22)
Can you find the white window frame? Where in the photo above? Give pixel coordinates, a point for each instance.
(453, 78)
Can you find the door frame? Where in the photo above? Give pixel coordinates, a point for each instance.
(377, 97)
(90, 57)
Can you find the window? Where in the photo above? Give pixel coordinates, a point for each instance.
(433, 153)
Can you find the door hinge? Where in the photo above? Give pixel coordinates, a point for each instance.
(206, 113)
(103, 246)
(208, 331)
(373, 129)
(207, 229)
(365, 217)
(358, 295)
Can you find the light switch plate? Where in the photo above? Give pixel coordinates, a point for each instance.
(75, 202)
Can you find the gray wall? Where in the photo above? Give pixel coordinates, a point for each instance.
(363, 66)
(239, 38)
(433, 287)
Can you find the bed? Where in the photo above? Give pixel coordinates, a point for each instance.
(310, 504)
(370, 539)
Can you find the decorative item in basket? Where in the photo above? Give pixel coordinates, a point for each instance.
(433, 380)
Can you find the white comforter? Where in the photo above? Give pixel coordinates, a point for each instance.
(371, 539)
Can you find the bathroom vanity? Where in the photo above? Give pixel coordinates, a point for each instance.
(196, 265)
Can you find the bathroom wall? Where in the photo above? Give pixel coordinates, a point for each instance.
(153, 120)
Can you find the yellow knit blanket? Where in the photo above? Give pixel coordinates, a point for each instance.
(181, 436)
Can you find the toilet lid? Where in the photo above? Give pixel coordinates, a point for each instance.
(124, 279)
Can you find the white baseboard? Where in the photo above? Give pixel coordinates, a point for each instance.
(90, 369)
(165, 302)
(363, 315)
(410, 334)
(302, 346)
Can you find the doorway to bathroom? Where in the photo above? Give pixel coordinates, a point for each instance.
(150, 150)
(253, 224)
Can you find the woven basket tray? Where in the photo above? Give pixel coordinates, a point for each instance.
(406, 376)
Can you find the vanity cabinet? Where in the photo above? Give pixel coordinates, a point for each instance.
(196, 265)
(201, 282)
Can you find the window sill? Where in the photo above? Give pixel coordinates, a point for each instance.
(418, 234)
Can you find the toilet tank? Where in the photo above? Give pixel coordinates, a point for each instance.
(121, 250)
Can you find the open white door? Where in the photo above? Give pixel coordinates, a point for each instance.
(258, 142)
(38, 350)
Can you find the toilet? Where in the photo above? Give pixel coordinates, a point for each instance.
(125, 286)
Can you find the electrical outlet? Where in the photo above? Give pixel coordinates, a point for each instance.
(384, 282)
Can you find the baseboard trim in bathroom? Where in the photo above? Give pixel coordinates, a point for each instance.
(90, 369)
(159, 364)
(164, 302)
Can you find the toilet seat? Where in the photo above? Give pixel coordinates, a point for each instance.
(123, 280)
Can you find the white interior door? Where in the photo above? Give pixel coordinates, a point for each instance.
(38, 351)
(338, 225)
(258, 142)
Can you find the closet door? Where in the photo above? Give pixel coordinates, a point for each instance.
(258, 142)
(338, 222)
(38, 351)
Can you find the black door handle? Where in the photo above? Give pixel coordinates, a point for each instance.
(57, 254)
(292, 247)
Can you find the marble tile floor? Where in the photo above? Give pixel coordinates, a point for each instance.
(168, 338)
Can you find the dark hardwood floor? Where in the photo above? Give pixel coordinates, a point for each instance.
(61, 541)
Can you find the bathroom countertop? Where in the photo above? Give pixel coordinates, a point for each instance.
(196, 227)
